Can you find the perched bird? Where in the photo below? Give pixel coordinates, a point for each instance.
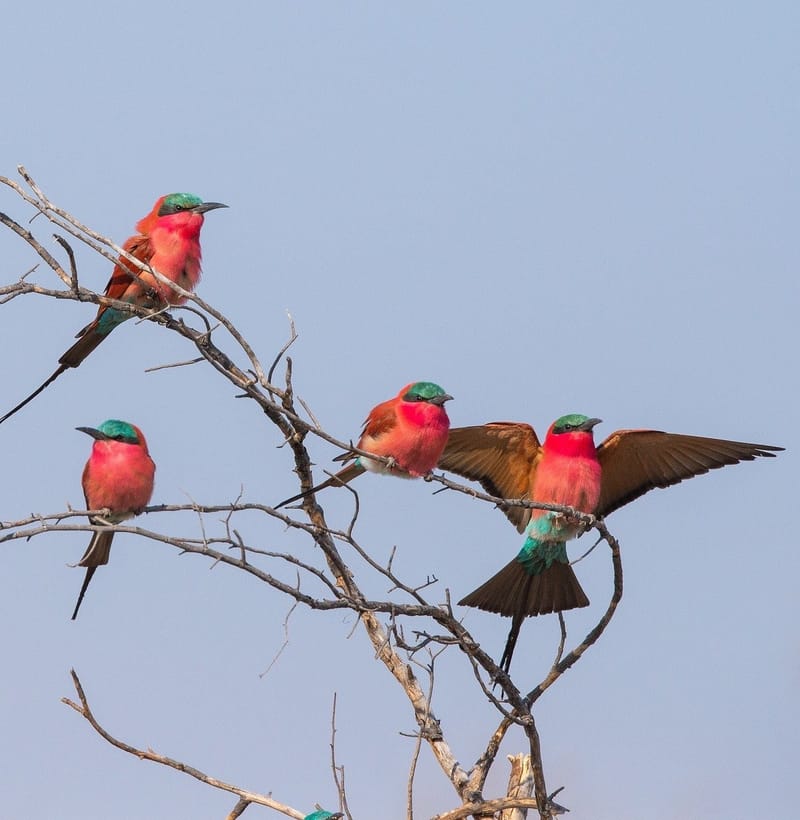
(508, 460)
(168, 240)
(411, 429)
(119, 477)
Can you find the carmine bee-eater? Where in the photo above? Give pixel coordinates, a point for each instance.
(323, 815)
(119, 477)
(168, 240)
(411, 429)
(508, 460)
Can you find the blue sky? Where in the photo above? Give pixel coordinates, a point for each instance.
(544, 208)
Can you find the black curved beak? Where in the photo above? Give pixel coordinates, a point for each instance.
(207, 206)
(440, 399)
(589, 424)
(98, 435)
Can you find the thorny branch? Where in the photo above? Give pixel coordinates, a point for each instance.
(337, 576)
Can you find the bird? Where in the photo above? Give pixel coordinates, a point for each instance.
(168, 240)
(509, 462)
(409, 429)
(118, 477)
(323, 815)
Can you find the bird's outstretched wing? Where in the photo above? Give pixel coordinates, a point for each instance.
(635, 461)
(502, 456)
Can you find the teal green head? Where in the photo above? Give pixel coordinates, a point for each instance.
(424, 391)
(177, 203)
(323, 815)
(115, 430)
(574, 423)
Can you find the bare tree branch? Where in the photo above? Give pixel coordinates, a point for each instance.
(336, 769)
(85, 711)
(342, 563)
(238, 809)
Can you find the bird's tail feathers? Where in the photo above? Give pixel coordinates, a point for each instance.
(89, 574)
(96, 555)
(61, 368)
(512, 591)
(345, 456)
(511, 642)
(88, 339)
(342, 477)
(516, 594)
(99, 549)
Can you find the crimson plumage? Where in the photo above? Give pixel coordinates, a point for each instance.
(509, 461)
(410, 428)
(118, 476)
(168, 240)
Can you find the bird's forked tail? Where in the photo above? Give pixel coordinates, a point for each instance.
(515, 593)
(90, 337)
(96, 555)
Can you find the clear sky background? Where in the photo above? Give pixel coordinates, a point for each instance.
(546, 208)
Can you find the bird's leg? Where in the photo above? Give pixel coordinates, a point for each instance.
(152, 298)
(574, 521)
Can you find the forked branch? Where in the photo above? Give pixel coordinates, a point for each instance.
(336, 570)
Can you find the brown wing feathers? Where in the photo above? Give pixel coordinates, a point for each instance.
(502, 456)
(635, 461)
